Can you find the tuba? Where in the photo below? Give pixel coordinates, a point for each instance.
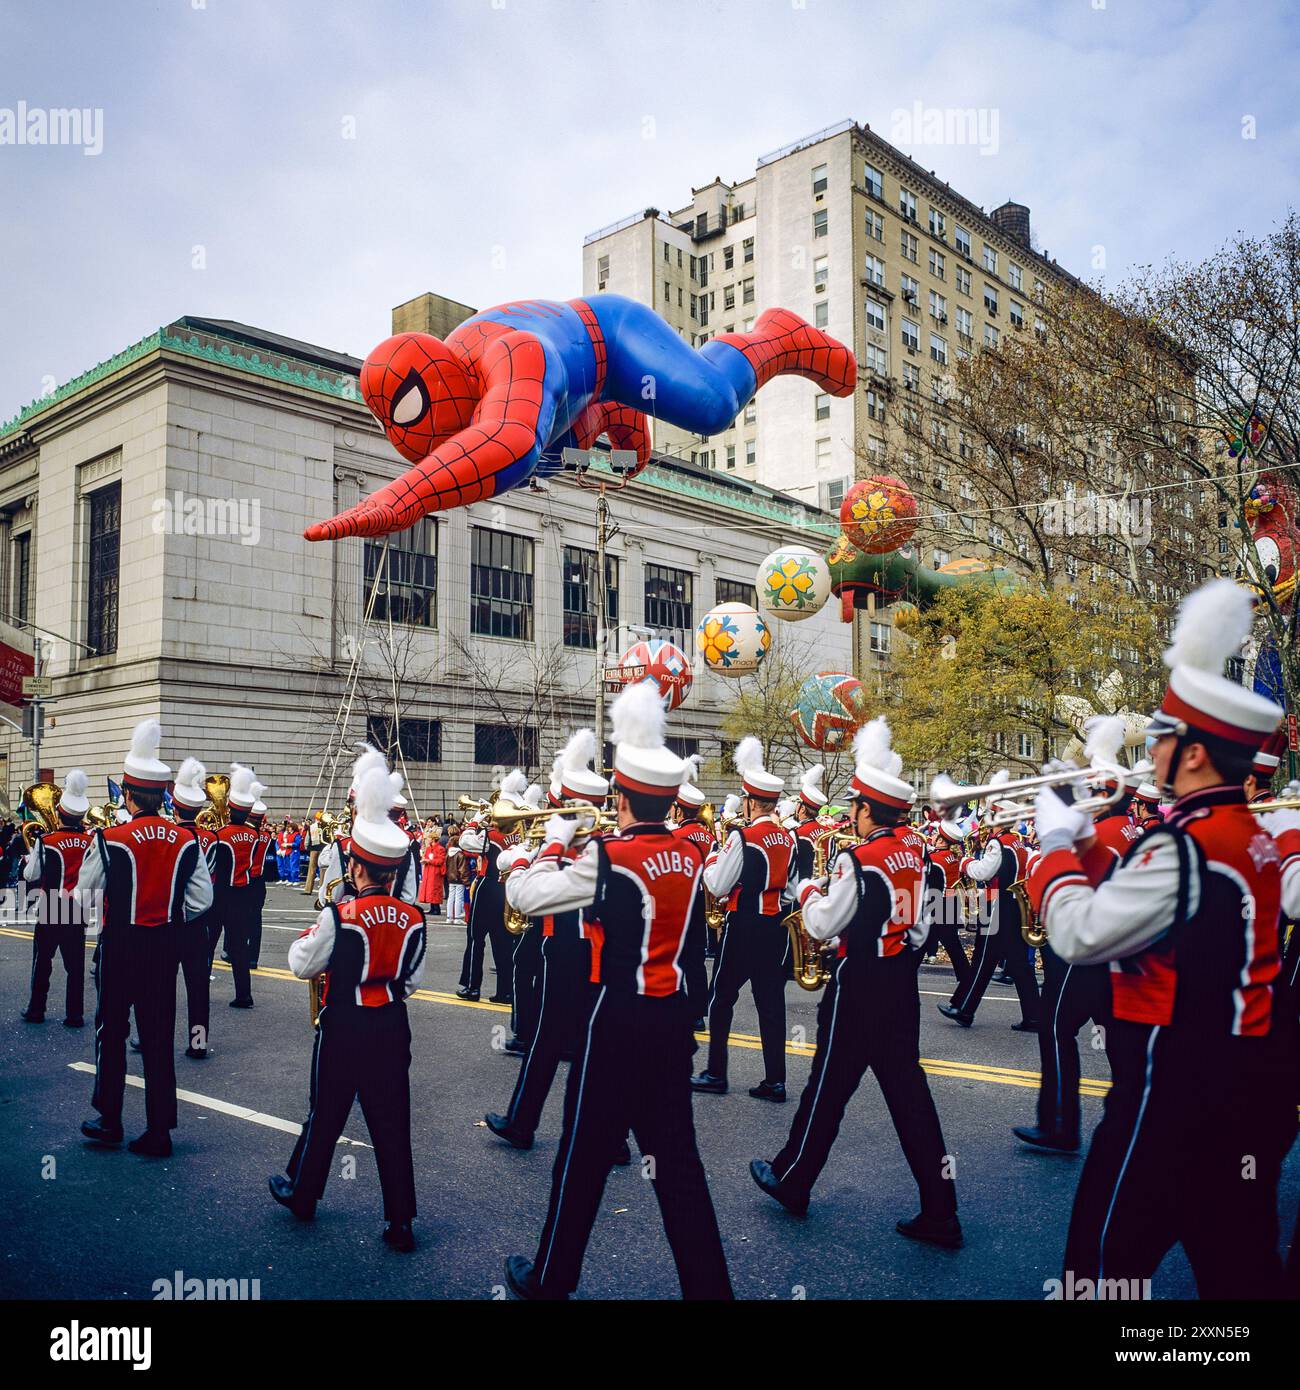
(100, 817)
(812, 959)
(217, 786)
(41, 800)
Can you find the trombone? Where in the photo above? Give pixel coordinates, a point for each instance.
(945, 793)
(509, 819)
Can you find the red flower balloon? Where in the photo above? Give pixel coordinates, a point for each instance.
(879, 514)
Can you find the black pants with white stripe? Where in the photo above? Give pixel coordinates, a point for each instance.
(232, 914)
(256, 905)
(487, 923)
(1072, 994)
(870, 1022)
(566, 971)
(994, 943)
(948, 935)
(68, 940)
(526, 983)
(360, 1054)
(1188, 1153)
(753, 949)
(195, 970)
(137, 970)
(634, 1071)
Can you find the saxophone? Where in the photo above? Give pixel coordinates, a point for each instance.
(316, 985)
(812, 959)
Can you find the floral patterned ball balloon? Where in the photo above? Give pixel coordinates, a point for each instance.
(793, 583)
(733, 639)
(831, 707)
(879, 514)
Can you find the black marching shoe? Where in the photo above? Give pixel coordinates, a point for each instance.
(712, 1085)
(523, 1280)
(766, 1179)
(399, 1235)
(282, 1191)
(948, 1011)
(699, 1026)
(74, 1022)
(1024, 1026)
(502, 1128)
(1044, 1140)
(465, 993)
(241, 1003)
(500, 999)
(197, 1054)
(944, 1231)
(152, 1145)
(769, 1090)
(1001, 977)
(29, 1016)
(516, 1048)
(105, 1136)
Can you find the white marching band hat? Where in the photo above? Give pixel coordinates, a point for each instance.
(1148, 793)
(188, 789)
(555, 789)
(689, 796)
(642, 763)
(1213, 622)
(142, 770)
(376, 839)
(810, 788)
(578, 781)
(245, 790)
(754, 777)
(74, 802)
(876, 767)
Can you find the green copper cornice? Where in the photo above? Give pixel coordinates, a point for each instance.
(79, 383)
(273, 366)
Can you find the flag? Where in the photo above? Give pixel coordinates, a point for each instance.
(114, 792)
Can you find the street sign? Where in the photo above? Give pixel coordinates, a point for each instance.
(1292, 734)
(38, 687)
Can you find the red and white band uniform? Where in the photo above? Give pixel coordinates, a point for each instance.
(196, 949)
(702, 837)
(372, 948)
(869, 1015)
(945, 929)
(753, 872)
(1073, 994)
(236, 898)
(1000, 866)
(334, 865)
(637, 890)
(1203, 1105)
(560, 1024)
(486, 916)
(806, 835)
(52, 866)
(150, 878)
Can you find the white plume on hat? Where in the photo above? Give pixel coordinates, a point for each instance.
(748, 756)
(142, 766)
(514, 784)
(810, 786)
(245, 789)
(688, 794)
(731, 806)
(1105, 736)
(189, 789)
(580, 751)
(146, 739)
(692, 769)
(638, 717)
(1213, 622)
(376, 790)
(873, 746)
(533, 796)
(74, 801)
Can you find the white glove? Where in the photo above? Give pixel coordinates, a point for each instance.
(514, 858)
(1057, 825)
(1275, 822)
(560, 830)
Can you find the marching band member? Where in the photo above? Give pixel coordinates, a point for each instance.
(566, 962)
(999, 867)
(189, 797)
(261, 866)
(1146, 806)
(1202, 1109)
(753, 871)
(807, 828)
(685, 813)
(525, 960)
(407, 884)
(487, 904)
(870, 1014)
(52, 866)
(141, 880)
(371, 949)
(637, 890)
(1073, 994)
(232, 859)
(1258, 782)
(945, 883)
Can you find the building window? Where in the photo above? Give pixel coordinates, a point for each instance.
(911, 377)
(408, 589)
(990, 336)
(875, 224)
(821, 406)
(965, 324)
(751, 454)
(731, 455)
(1016, 312)
(937, 264)
(874, 180)
(875, 406)
(875, 315)
(736, 591)
(821, 314)
(22, 576)
(102, 574)
(938, 227)
(420, 739)
(961, 238)
(669, 602)
(728, 257)
(747, 249)
(501, 585)
(911, 335)
(991, 299)
(579, 601)
(938, 307)
(751, 412)
(1025, 745)
(990, 259)
(821, 274)
(877, 360)
(875, 271)
(498, 745)
(819, 179)
(939, 559)
(910, 288)
(820, 223)
(880, 638)
(938, 349)
(821, 454)
(963, 280)
(909, 246)
(833, 494)
(747, 292)
(907, 204)
(1015, 277)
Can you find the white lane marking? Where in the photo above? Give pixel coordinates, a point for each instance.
(240, 1112)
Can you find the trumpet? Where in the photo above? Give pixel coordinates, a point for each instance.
(945, 793)
(1277, 803)
(509, 818)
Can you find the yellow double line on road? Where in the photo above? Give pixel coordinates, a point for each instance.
(962, 1071)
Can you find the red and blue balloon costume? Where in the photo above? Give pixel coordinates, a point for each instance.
(495, 403)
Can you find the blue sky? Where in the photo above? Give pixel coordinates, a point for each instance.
(332, 159)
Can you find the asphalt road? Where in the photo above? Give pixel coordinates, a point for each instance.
(93, 1224)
